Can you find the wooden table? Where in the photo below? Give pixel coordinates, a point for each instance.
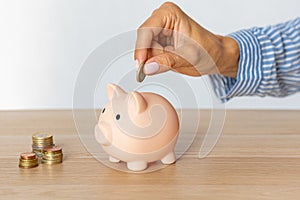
(257, 157)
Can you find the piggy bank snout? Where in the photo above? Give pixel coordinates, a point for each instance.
(103, 133)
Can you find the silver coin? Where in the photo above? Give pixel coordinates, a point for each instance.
(140, 75)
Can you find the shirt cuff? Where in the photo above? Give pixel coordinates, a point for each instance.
(249, 73)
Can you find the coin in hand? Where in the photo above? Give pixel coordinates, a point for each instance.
(140, 75)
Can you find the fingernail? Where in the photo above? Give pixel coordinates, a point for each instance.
(136, 64)
(151, 68)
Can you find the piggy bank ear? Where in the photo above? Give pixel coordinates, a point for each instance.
(114, 90)
(138, 102)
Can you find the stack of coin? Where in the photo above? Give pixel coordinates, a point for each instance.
(52, 155)
(28, 160)
(40, 141)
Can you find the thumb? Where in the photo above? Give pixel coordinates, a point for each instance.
(162, 63)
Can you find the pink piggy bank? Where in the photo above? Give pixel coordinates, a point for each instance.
(137, 128)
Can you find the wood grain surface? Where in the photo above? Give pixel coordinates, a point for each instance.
(256, 157)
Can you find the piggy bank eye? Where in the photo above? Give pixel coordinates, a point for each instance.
(118, 116)
(103, 110)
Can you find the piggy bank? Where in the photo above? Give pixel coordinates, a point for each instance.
(137, 128)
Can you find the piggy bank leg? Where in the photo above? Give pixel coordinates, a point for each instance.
(137, 165)
(114, 160)
(169, 158)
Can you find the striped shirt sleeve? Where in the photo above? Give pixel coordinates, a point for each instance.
(269, 63)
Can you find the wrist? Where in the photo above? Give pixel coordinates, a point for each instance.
(229, 59)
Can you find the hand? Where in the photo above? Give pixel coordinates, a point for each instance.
(171, 40)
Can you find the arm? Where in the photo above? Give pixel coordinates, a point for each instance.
(257, 61)
(269, 63)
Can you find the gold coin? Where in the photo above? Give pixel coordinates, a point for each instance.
(28, 167)
(140, 75)
(42, 136)
(54, 156)
(28, 161)
(50, 162)
(28, 164)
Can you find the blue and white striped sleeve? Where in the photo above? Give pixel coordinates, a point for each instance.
(269, 63)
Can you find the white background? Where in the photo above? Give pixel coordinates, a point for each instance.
(44, 43)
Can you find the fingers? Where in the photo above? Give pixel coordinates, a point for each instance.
(147, 32)
(164, 62)
(185, 59)
(156, 41)
(155, 49)
(191, 71)
(170, 61)
(160, 23)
